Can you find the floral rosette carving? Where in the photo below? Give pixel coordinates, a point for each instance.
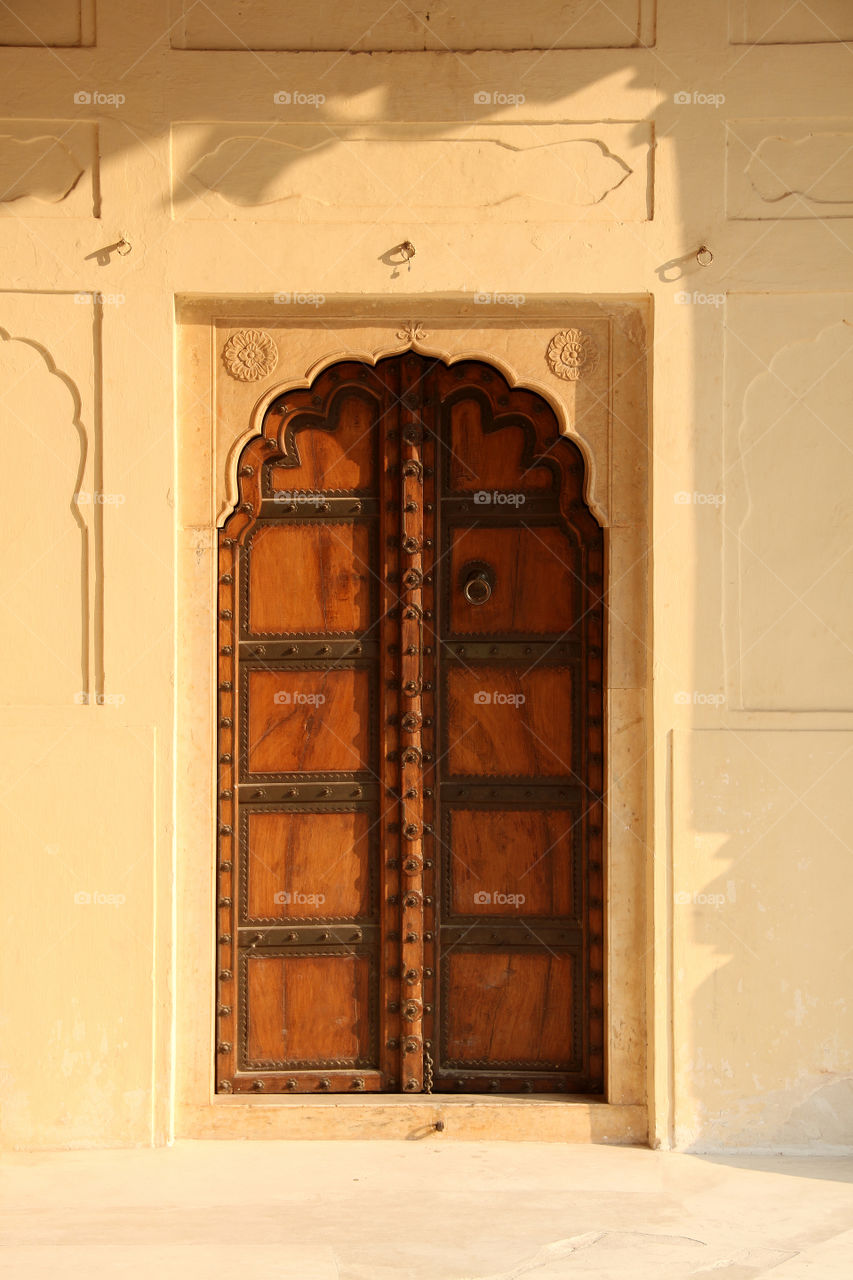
(572, 354)
(250, 355)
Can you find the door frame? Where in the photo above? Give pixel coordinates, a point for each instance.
(588, 358)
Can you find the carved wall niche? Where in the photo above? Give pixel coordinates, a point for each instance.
(45, 586)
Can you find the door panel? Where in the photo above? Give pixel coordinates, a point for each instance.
(307, 1010)
(306, 865)
(309, 579)
(510, 1010)
(509, 721)
(411, 743)
(517, 604)
(511, 862)
(308, 721)
(334, 455)
(474, 465)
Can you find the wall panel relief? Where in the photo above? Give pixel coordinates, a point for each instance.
(376, 25)
(789, 169)
(761, 938)
(338, 173)
(788, 516)
(800, 22)
(55, 23)
(48, 169)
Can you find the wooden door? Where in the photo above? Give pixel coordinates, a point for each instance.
(410, 743)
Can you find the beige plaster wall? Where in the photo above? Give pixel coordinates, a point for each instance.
(553, 157)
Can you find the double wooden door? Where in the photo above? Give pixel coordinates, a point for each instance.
(410, 760)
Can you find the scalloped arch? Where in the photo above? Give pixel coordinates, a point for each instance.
(592, 470)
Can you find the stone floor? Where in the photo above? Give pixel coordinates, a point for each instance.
(422, 1210)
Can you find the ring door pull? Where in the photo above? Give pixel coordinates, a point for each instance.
(478, 586)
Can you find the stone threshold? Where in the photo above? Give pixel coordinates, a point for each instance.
(465, 1117)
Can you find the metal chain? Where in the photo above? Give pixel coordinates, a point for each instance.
(427, 1068)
